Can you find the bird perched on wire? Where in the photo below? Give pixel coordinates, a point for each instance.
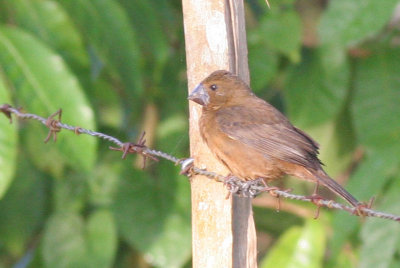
(252, 138)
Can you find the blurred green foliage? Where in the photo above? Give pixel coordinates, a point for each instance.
(119, 67)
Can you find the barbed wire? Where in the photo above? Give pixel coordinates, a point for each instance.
(233, 184)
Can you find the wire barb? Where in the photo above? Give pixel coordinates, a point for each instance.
(136, 148)
(186, 166)
(77, 130)
(233, 184)
(53, 125)
(4, 109)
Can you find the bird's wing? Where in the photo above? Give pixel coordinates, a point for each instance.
(265, 129)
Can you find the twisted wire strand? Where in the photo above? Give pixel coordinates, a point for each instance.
(234, 185)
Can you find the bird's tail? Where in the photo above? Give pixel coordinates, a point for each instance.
(335, 187)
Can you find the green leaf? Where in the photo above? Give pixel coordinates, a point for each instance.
(366, 182)
(263, 62)
(395, 263)
(299, 247)
(315, 93)
(282, 31)
(148, 23)
(372, 174)
(22, 208)
(8, 144)
(70, 192)
(380, 237)
(346, 259)
(48, 21)
(107, 104)
(153, 215)
(269, 221)
(102, 238)
(43, 85)
(349, 22)
(376, 101)
(70, 242)
(63, 242)
(103, 182)
(106, 26)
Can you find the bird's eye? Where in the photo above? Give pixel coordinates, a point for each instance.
(213, 87)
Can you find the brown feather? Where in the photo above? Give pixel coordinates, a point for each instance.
(252, 138)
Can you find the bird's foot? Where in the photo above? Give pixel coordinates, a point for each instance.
(243, 188)
(272, 190)
(316, 200)
(252, 188)
(360, 208)
(232, 183)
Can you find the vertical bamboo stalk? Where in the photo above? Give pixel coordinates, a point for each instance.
(223, 228)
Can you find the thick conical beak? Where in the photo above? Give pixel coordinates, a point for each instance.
(199, 95)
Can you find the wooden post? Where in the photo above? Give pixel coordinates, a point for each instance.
(223, 228)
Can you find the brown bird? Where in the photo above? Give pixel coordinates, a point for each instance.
(252, 138)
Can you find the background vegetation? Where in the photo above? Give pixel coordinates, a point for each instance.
(119, 67)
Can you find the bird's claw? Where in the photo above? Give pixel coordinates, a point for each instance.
(359, 209)
(251, 188)
(232, 183)
(272, 191)
(53, 125)
(316, 200)
(240, 187)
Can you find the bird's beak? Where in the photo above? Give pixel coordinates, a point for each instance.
(199, 95)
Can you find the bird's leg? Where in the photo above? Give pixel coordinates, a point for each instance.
(267, 188)
(315, 198)
(315, 192)
(271, 190)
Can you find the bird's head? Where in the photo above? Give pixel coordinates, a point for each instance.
(218, 89)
